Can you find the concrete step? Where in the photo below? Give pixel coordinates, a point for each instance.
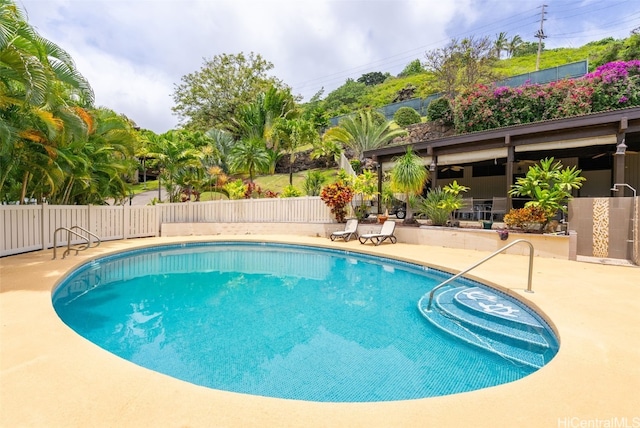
(492, 321)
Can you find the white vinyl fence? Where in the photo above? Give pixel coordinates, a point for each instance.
(26, 228)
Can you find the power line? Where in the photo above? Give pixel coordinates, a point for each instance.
(518, 22)
(420, 49)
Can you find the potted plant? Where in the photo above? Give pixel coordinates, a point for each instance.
(528, 219)
(386, 199)
(549, 186)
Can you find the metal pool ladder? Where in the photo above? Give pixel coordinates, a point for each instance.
(490, 256)
(82, 246)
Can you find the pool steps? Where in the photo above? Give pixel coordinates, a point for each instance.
(491, 321)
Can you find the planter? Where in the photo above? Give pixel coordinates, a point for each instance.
(532, 227)
(487, 224)
(382, 218)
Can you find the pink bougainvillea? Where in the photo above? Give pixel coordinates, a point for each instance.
(611, 86)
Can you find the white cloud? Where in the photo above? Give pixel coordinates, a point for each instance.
(134, 52)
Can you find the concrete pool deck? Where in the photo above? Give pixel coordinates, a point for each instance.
(52, 377)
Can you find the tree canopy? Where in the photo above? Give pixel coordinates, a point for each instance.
(373, 78)
(462, 63)
(212, 95)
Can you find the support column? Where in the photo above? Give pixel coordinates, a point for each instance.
(619, 161)
(379, 172)
(511, 156)
(433, 168)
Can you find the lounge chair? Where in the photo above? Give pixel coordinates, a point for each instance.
(385, 233)
(350, 229)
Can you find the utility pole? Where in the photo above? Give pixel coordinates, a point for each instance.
(540, 35)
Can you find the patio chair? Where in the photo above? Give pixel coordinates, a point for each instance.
(350, 230)
(466, 211)
(385, 233)
(498, 208)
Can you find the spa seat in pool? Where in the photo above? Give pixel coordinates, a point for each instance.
(386, 232)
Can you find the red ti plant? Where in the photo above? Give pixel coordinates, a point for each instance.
(337, 196)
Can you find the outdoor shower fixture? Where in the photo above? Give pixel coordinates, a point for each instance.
(633, 214)
(615, 188)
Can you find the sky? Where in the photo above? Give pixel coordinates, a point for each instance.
(134, 52)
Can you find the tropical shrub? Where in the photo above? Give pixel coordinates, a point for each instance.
(356, 164)
(549, 185)
(365, 185)
(252, 190)
(440, 204)
(337, 196)
(439, 110)
(522, 218)
(435, 206)
(235, 189)
(406, 116)
(313, 182)
(290, 192)
(455, 203)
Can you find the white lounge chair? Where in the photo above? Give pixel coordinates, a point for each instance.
(350, 229)
(385, 233)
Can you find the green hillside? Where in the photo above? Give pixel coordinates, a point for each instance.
(353, 95)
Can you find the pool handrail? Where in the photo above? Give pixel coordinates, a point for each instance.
(490, 256)
(70, 231)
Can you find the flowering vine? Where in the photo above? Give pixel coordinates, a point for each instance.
(611, 86)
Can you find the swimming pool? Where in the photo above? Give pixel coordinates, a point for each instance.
(277, 320)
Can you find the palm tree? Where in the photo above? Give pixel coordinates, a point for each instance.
(249, 156)
(174, 154)
(38, 80)
(223, 142)
(293, 133)
(513, 45)
(408, 176)
(500, 44)
(110, 148)
(361, 133)
(259, 120)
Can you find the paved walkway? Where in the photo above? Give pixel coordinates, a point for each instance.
(145, 198)
(50, 376)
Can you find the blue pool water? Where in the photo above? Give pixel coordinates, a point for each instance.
(276, 320)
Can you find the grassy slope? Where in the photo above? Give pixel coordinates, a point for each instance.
(425, 83)
(278, 182)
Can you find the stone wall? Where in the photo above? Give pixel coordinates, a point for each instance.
(423, 132)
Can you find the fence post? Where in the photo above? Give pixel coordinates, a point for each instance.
(46, 233)
(157, 217)
(126, 222)
(89, 222)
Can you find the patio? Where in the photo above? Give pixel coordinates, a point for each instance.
(50, 376)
